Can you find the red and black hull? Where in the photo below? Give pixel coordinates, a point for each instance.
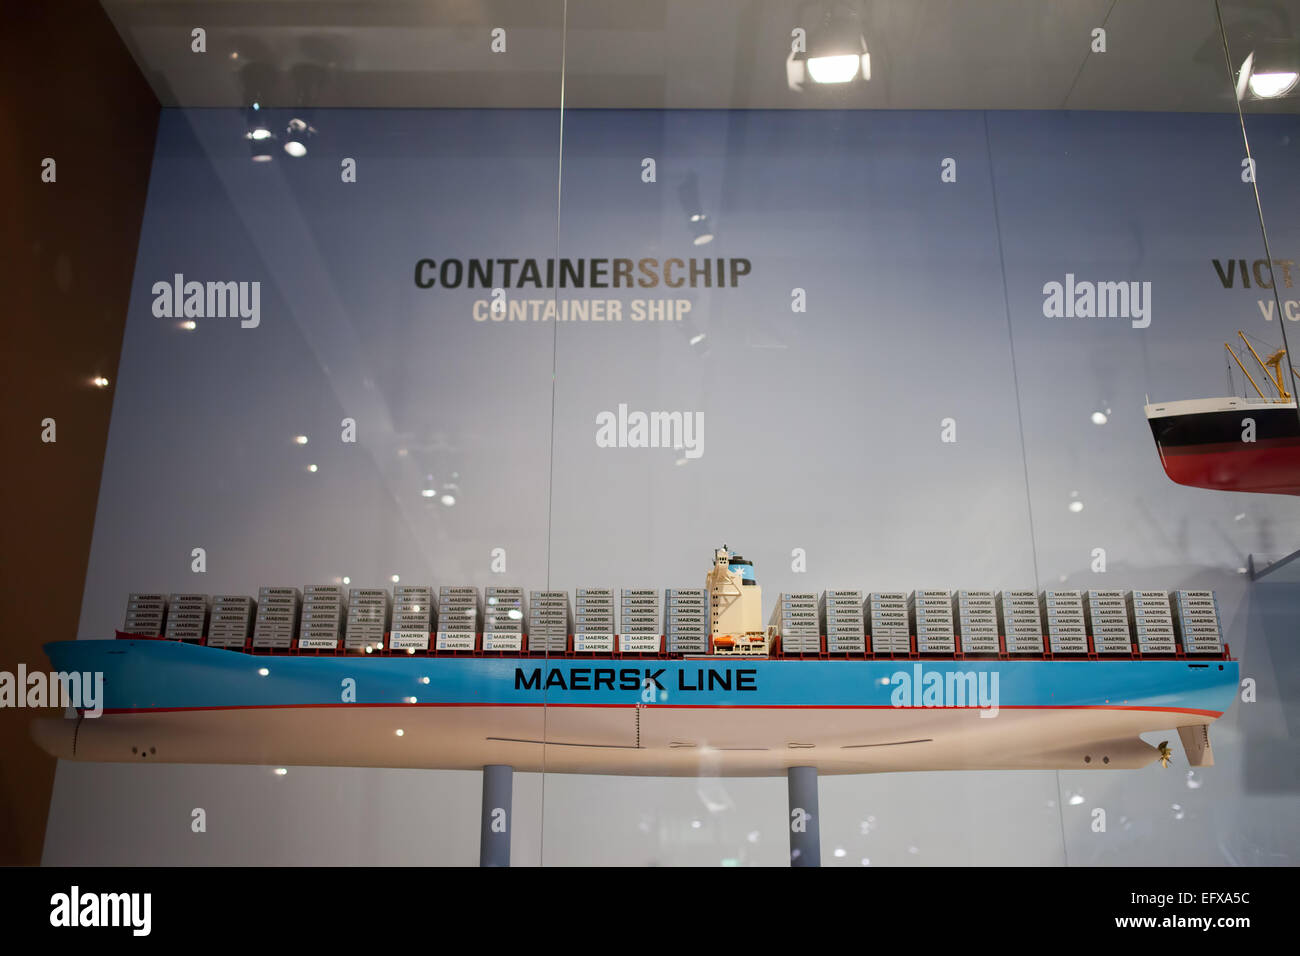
(1205, 449)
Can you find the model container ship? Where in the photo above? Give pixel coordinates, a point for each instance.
(972, 691)
(1233, 444)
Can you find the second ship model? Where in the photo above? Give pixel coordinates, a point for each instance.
(1233, 444)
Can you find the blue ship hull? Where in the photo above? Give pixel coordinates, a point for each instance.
(173, 702)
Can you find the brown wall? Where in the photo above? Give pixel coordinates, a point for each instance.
(71, 92)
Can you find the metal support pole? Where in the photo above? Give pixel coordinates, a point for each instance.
(805, 836)
(494, 839)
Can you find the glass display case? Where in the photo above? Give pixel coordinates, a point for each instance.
(625, 433)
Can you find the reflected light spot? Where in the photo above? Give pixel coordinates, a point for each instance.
(263, 671)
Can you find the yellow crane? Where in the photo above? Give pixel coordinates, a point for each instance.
(1272, 367)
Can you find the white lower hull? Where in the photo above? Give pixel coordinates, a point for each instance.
(644, 741)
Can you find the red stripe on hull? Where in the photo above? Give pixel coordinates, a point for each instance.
(1272, 468)
(1213, 714)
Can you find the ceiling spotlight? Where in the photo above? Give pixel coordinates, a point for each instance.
(448, 500)
(295, 143)
(313, 469)
(839, 68)
(1271, 70)
(1099, 418)
(280, 771)
(428, 492)
(300, 439)
(396, 578)
(1268, 85)
(834, 49)
(189, 325)
(99, 381)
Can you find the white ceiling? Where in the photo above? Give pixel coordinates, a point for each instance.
(694, 54)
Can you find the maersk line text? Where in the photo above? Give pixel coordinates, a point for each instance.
(581, 310)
